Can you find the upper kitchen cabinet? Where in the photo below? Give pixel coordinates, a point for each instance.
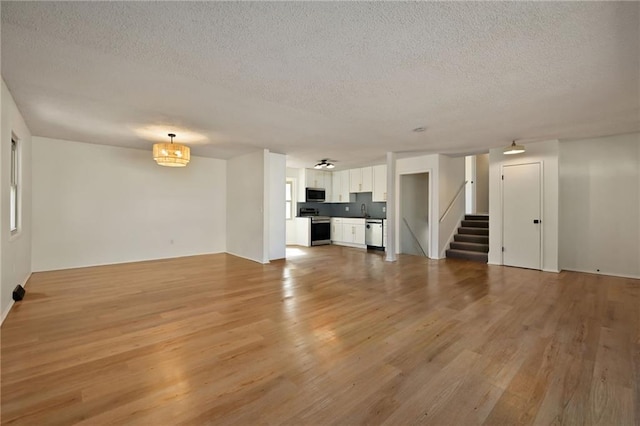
(317, 179)
(361, 180)
(313, 178)
(340, 187)
(379, 183)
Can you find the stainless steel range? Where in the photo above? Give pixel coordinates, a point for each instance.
(320, 226)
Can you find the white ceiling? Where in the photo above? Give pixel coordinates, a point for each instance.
(344, 80)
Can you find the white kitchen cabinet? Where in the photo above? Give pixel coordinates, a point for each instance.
(313, 178)
(340, 193)
(355, 180)
(318, 179)
(336, 230)
(353, 231)
(348, 231)
(358, 234)
(367, 179)
(303, 231)
(336, 180)
(344, 187)
(361, 179)
(328, 185)
(379, 183)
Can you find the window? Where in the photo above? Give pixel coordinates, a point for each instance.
(288, 196)
(14, 186)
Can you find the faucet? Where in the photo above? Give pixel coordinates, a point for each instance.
(363, 210)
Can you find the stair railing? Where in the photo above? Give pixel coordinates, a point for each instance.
(455, 197)
(415, 239)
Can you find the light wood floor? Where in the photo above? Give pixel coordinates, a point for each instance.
(333, 335)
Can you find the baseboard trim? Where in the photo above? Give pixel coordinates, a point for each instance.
(64, 268)
(13, 302)
(6, 314)
(343, 244)
(608, 274)
(247, 258)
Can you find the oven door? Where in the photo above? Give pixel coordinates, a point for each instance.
(320, 233)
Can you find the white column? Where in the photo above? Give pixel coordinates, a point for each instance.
(391, 208)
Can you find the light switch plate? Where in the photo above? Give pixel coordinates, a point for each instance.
(384, 209)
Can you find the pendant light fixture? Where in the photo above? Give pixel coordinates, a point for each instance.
(513, 149)
(324, 164)
(171, 154)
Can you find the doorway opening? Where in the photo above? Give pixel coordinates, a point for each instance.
(414, 237)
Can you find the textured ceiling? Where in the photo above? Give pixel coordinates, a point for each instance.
(345, 80)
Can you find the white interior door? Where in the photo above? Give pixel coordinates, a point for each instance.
(521, 215)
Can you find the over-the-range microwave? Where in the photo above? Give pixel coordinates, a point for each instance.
(315, 195)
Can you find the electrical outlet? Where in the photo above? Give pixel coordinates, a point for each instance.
(346, 208)
(384, 209)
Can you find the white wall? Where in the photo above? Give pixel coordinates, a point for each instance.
(97, 204)
(600, 205)
(291, 234)
(246, 229)
(15, 250)
(482, 183)
(277, 221)
(547, 153)
(451, 172)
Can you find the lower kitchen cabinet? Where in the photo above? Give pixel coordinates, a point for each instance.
(303, 231)
(348, 231)
(336, 229)
(353, 233)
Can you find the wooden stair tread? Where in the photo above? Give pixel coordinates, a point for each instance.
(468, 255)
(469, 246)
(474, 231)
(470, 238)
(471, 242)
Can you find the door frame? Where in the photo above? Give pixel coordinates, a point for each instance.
(398, 224)
(542, 218)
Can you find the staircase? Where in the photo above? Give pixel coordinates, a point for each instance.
(472, 240)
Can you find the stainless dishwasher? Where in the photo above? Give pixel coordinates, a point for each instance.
(373, 233)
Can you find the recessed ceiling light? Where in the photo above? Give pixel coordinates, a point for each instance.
(419, 129)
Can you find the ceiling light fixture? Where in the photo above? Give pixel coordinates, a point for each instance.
(324, 164)
(171, 154)
(513, 149)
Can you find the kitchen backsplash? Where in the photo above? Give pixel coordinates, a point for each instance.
(339, 209)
